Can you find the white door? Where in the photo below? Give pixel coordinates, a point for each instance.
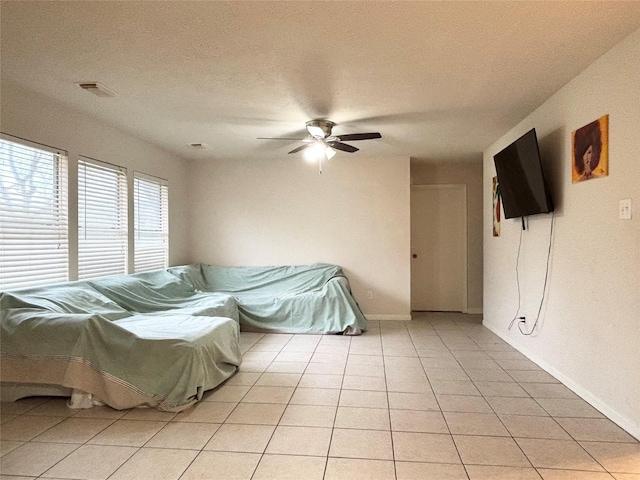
(439, 248)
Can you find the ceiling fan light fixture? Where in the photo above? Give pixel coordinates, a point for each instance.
(320, 128)
(329, 152)
(315, 131)
(314, 153)
(320, 144)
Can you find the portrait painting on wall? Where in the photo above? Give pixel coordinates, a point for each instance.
(496, 207)
(590, 151)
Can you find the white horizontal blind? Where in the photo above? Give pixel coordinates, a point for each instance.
(34, 245)
(151, 223)
(102, 219)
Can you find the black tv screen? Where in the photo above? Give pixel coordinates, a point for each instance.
(521, 182)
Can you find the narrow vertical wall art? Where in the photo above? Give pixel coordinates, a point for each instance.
(496, 207)
(590, 151)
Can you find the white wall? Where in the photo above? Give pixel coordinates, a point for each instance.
(33, 117)
(469, 174)
(589, 331)
(356, 214)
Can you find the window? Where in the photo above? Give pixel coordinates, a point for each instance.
(151, 223)
(102, 219)
(34, 244)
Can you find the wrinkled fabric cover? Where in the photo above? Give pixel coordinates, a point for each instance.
(162, 338)
(74, 297)
(125, 346)
(295, 299)
(161, 291)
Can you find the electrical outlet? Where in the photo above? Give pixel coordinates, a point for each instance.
(369, 294)
(625, 209)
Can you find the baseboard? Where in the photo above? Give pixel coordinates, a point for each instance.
(403, 318)
(474, 311)
(615, 417)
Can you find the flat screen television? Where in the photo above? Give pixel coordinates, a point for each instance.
(521, 182)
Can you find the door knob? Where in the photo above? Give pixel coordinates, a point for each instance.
(414, 255)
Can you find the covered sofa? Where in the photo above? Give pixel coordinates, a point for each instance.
(313, 299)
(146, 339)
(163, 338)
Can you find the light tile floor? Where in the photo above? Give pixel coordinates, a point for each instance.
(439, 397)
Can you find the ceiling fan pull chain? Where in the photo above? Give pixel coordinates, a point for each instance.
(320, 164)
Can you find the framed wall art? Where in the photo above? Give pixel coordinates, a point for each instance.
(496, 207)
(590, 151)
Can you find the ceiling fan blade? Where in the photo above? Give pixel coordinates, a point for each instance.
(359, 136)
(302, 147)
(342, 146)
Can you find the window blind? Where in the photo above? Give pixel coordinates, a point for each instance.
(151, 223)
(34, 244)
(102, 219)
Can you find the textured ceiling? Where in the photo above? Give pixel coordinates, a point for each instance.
(439, 80)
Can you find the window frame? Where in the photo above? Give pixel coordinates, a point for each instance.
(141, 264)
(27, 232)
(117, 215)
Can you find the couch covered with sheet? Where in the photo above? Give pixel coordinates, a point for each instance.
(294, 299)
(136, 340)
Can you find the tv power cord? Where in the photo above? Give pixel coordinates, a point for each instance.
(522, 319)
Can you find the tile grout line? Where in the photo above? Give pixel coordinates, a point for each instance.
(335, 415)
(441, 334)
(78, 445)
(535, 438)
(497, 416)
(286, 405)
(442, 411)
(386, 387)
(549, 416)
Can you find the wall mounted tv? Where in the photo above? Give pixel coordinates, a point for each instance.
(522, 186)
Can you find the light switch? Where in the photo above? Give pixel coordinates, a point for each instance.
(625, 209)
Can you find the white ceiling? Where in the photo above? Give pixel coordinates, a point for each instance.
(439, 80)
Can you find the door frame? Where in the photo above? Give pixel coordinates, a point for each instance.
(465, 267)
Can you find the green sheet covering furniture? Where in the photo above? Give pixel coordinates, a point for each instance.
(294, 299)
(150, 340)
(162, 338)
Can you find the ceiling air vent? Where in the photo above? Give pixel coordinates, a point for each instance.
(199, 146)
(97, 89)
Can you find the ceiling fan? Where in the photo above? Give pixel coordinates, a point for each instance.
(321, 142)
